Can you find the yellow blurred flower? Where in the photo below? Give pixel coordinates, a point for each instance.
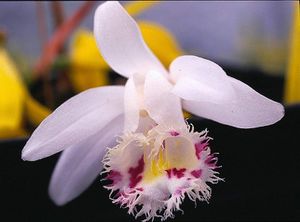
(137, 7)
(16, 104)
(11, 96)
(88, 68)
(292, 84)
(161, 42)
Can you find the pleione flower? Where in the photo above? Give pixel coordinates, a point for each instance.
(152, 158)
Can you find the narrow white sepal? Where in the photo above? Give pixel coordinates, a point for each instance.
(248, 110)
(74, 121)
(208, 92)
(80, 164)
(121, 43)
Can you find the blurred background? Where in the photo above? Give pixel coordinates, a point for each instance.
(232, 33)
(48, 54)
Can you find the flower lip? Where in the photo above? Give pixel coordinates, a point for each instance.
(168, 164)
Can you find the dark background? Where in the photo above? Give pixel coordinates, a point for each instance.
(260, 167)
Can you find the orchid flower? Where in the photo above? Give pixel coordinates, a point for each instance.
(158, 158)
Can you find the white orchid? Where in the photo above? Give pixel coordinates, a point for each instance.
(158, 158)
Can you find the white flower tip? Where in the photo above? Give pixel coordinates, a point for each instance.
(274, 113)
(57, 199)
(58, 196)
(279, 112)
(27, 154)
(30, 153)
(105, 11)
(108, 5)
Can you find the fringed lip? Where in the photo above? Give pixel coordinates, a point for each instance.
(152, 174)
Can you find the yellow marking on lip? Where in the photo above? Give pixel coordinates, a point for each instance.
(178, 153)
(155, 167)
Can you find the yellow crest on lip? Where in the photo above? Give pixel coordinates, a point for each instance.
(170, 157)
(154, 168)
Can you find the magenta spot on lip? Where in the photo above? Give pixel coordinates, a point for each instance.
(177, 173)
(196, 173)
(114, 176)
(174, 133)
(169, 172)
(135, 172)
(199, 147)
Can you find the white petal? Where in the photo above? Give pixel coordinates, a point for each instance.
(210, 93)
(190, 89)
(75, 120)
(120, 41)
(199, 79)
(131, 106)
(80, 164)
(248, 109)
(162, 106)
